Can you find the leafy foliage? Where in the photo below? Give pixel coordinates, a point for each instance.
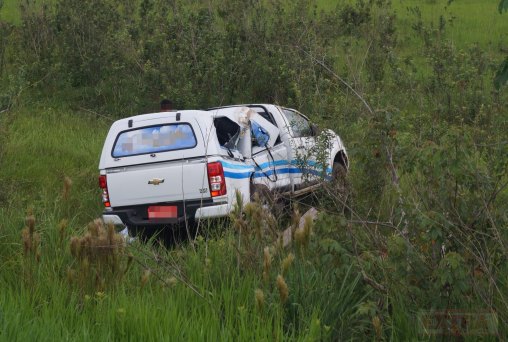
(503, 6)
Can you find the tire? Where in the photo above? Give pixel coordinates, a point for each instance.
(261, 193)
(266, 198)
(340, 187)
(143, 233)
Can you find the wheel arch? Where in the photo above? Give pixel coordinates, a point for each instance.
(341, 157)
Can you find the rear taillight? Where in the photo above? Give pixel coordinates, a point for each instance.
(216, 179)
(103, 183)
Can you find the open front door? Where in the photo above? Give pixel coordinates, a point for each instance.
(269, 155)
(260, 144)
(301, 143)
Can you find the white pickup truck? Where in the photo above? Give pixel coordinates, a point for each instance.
(162, 169)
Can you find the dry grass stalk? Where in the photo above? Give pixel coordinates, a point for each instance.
(286, 263)
(303, 232)
(376, 323)
(62, 228)
(283, 288)
(98, 253)
(66, 187)
(145, 277)
(31, 239)
(267, 259)
(260, 299)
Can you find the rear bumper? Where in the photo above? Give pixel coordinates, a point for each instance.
(112, 219)
(138, 215)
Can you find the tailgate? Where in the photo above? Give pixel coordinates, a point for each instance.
(178, 180)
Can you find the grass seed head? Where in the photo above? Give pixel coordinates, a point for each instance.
(111, 235)
(100, 283)
(62, 227)
(260, 299)
(266, 277)
(27, 241)
(307, 227)
(75, 245)
(376, 323)
(295, 219)
(98, 226)
(36, 241)
(67, 187)
(283, 289)
(286, 263)
(171, 281)
(71, 275)
(267, 259)
(130, 257)
(300, 236)
(30, 223)
(145, 277)
(85, 265)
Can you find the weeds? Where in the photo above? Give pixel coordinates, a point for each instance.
(100, 258)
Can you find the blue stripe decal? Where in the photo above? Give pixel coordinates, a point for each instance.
(235, 166)
(259, 173)
(275, 163)
(237, 175)
(250, 167)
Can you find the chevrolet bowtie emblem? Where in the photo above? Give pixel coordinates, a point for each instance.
(156, 181)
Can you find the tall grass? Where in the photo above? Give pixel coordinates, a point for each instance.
(142, 292)
(468, 22)
(10, 11)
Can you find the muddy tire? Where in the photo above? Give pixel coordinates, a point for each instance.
(144, 234)
(340, 188)
(261, 193)
(267, 199)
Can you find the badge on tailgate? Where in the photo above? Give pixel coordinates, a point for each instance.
(156, 181)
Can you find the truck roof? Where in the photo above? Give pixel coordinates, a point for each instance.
(171, 114)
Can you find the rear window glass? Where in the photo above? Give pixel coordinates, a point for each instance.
(154, 139)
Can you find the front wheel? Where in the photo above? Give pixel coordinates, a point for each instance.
(340, 188)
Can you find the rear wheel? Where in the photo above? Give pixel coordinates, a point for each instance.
(267, 199)
(262, 194)
(142, 233)
(168, 235)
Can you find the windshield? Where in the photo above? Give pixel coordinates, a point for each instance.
(153, 139)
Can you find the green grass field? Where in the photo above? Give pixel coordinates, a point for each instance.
(10, 11)
(41, 146)
(468, 21)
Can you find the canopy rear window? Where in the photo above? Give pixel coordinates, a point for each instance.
(153, 139)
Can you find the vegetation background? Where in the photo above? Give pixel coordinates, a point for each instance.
(409, 86)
